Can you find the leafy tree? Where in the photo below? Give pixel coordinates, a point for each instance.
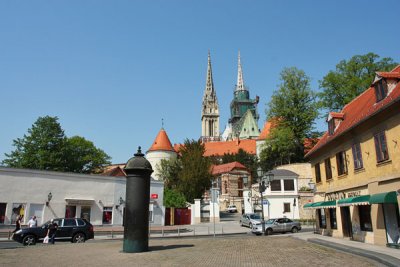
(83, 156)
(293, 108)
(190, 173)
(350, 79)
(42, 148)
(173, 198)
(46, 147)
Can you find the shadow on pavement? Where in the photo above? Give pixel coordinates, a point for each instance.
(226, 216)
(154, 248)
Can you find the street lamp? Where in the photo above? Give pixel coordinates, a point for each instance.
(266, 179)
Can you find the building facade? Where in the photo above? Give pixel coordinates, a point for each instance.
(46, 194)
(356, 166)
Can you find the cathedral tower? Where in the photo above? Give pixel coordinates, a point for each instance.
(210, 110)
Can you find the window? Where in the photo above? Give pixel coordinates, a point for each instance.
(286, 207)
(328, 169)
(80, 222)
(357, 156)
(382, 153)
(321, 218)
(332, 216)
(70, 211)
(276, 185)
(69, 222)
(365, 217)
(2, 212)
(85, 213)
(341, 163)
(17, 209)
(288, 185)
(107, 215)
(317, 173)
(381, 90)
(331, 126)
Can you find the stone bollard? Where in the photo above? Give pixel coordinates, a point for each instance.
(136, 230)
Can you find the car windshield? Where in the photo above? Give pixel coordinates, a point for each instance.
(255, 216)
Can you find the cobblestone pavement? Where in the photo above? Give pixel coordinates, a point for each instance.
(220, 251)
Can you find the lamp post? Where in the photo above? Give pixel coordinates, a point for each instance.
(311, 185)
(266, 179)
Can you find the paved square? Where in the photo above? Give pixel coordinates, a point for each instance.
(220, 251)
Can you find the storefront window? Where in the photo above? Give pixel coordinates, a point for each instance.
(107, 215)
(322, 218)
(2, 212)
(365, 217)
(70, 211)
(18, 209)
(85, 213)
(332, 215)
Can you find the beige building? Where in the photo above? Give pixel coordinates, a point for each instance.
(356, 167)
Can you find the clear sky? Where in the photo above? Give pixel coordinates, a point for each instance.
(111, 70)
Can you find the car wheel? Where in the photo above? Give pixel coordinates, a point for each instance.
(251, 225)
(295, 230)
(78, 238)
(268, 231)
(29, 240)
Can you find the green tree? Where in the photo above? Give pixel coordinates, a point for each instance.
(293, 108)
(350, 79)
(174, 198)
(190, 173)
(42, 148)
(83, 156)
(46, 147)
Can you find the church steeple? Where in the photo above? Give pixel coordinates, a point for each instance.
(210, 110)
(240, 82)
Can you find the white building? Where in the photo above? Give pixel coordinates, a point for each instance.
(281, 198)
(48, 194)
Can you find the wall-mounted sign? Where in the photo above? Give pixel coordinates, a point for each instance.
(154, 196)
(335, 196)
(354, 194)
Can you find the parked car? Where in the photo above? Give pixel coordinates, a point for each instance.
(75, 229)
(280, 225)
(231, 208)
(250, 219)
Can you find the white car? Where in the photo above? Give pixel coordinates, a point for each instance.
(231, 209)
(250, 219)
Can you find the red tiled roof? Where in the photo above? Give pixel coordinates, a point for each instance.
(232, 147)
(389, 74)
(265, 131)
(359, 110)
(338, 115)
(228, 167)
(114, 170)
(161, 142)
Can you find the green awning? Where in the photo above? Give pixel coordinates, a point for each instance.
(324, 204)
(360, 200)
(388, 197)
(308, 205)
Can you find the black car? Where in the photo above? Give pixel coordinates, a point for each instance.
(75, 229)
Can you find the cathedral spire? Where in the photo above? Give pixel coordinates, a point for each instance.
(209, 81)
(210, 110)
(240, 82)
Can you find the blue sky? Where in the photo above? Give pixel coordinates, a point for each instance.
(111, 70)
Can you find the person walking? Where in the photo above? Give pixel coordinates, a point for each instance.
(32, 222)
(51, 232)
(17, 224)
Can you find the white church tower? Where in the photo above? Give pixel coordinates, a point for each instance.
(210, 110)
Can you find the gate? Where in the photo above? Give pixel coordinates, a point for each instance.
(180, 216)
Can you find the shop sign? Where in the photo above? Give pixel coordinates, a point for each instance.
(354, 194)
(154, 196)
(335, 196)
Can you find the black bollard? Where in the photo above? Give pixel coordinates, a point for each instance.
(136, 217)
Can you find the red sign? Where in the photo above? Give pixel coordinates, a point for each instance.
(154, 196)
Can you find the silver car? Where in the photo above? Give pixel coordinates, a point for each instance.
(250, 219)
(280, 225)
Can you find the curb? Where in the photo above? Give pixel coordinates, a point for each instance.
(379, 257)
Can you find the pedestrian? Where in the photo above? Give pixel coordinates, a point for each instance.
(17, 224)
(32, 222)
(51, 232)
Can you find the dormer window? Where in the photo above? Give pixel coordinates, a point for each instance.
(334, 120)
(381, 89)
(331, 127)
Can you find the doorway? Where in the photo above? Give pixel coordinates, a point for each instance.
(346, 222)
(391, 216)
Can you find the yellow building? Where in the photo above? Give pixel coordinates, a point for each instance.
(356, 167)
